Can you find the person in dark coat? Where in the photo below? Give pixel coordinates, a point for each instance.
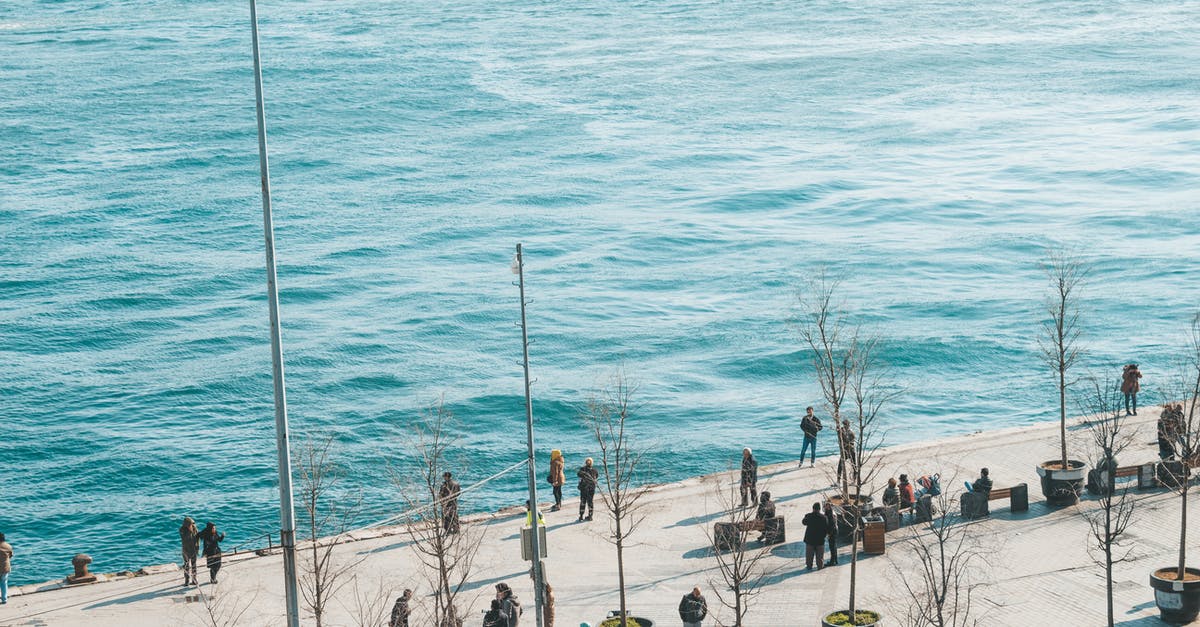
(588, 476)
(448, 494)
(492, 617)
(212, 549)
(982, 485)
(847, 449)
(891, 494)
(749, 481)
(766, 510)
(831, 522)
(401, 611)
(1130, 385)
(1166, 433)
(189, 538)
(811, 426)
(816, 529)
(510, 607)
(693, 608)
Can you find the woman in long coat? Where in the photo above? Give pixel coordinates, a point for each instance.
(557, 477)
(212, 549)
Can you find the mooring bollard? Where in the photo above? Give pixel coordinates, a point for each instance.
(80, 562)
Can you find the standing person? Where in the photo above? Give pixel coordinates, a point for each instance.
(811, 426)
(1130, 386)
(212, 549)
(1166, 436)
(831, 522)
(749, 481)
(448, 494)
(510, 607)
(693, 608)
(557, 477)
(6, 553)
(846, 448)
(815, 532)
(400, 610)
(189, 538)
(588, 475)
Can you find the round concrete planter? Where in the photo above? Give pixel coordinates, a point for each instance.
(825, 622)
(1178, 601)
(614, 621)
(1062, 487)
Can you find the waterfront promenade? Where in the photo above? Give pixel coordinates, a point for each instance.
(1038, 571)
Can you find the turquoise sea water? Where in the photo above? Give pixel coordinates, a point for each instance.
(674, 169)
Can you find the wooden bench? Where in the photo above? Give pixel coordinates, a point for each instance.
(972, 504)
(727, 535)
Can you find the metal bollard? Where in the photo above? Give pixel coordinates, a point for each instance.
(80, 562)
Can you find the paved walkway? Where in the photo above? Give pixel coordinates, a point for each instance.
(1038, 570)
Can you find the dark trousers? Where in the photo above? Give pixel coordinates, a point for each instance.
(1131, 396)
(753, 488)
(557, 496)
(1166, 449)
(450, 517)
(809, 441)
(189, 569)
(833, 548)
(586, 495)
(214, 565)
(814, 551)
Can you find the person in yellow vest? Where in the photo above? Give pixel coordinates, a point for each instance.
(529, 516)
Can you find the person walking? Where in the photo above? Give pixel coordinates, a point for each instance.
(816, 529)
(6, 553)
(401, 611)
(448, 494)
(588, 476)
(811, 426)
(846, 450)
(510, 607)
(189, 539)
(831, 522)
(693, 608)
(749, 480)
(212, 549)
(557, 478)
(1130, 385)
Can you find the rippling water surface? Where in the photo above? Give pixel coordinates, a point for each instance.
(674, 170)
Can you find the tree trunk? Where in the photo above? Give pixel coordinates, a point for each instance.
(853, 572)
(620, 563)
(1108, 561)
(1183, 523)
(1062, 403)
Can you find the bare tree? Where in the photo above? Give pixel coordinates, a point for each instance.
(608, 416)
(446, 552)
(939, 592)
(328, 514)
(225, 610)
(1059, 342)
(824, 328)
(369, 604)
(740, 565)
(1110, 434)
(855, 385)
(1185, 431)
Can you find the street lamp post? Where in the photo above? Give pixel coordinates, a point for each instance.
(518, 267)
(287, 516)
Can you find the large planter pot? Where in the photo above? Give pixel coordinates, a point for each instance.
(850, 511)
(841, 618)
(614, 620)
(1062, 487)
(1178, 601)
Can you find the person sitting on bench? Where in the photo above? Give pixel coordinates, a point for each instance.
(907, 496)
(766, 510)
(982, 485)
(891, 495)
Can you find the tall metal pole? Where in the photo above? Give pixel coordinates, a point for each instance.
(535, 540)
(287, 516)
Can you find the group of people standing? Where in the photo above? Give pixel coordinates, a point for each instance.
(588, 477)
(191, 540)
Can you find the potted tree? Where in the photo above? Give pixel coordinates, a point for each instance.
(621, 488)
(1062, 477)
(847, 364)
(1177, 587)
